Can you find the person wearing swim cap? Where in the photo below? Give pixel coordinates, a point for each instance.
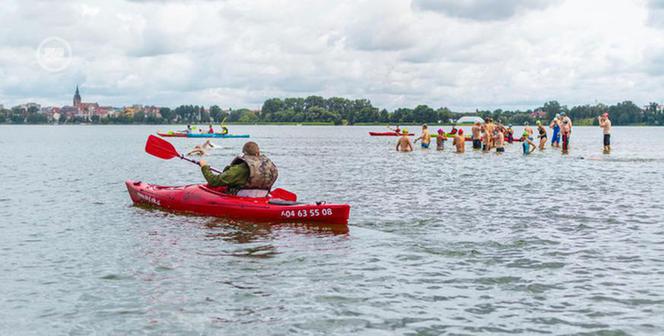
(425, 137)
(555, 126)
(527, 144)
(509, 134)
(542, 135)
(605, 124)
(460, 142)
(566, 131)
(440, 140)
(403, 144)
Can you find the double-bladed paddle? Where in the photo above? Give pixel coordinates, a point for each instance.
(164, 150)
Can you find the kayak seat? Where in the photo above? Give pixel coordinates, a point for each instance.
(256, 193)
(279, 201)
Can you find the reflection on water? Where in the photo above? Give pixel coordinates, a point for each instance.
(439, 243)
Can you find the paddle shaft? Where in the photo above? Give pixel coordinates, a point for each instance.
(196, 162)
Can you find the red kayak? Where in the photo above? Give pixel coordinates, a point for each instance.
(387, 134)
(280, 206)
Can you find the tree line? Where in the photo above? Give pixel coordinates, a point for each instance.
(342, 111)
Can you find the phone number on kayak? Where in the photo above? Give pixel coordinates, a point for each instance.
(306, 213)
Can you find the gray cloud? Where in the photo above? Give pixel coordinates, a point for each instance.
(656, 13)
(238, 53)
(481, 10)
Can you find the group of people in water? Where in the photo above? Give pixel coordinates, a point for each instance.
(494, 135)
(191, 129)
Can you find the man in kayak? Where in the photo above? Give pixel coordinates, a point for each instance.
(249, 171)
(403, 144)
(605, 124)
(477, 140)
(211, 130)
(425, 137)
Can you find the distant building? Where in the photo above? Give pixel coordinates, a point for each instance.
(469, 120)
(86, 110)
(77, 98)
(538, 114)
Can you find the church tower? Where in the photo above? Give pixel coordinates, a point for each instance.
(77, 98)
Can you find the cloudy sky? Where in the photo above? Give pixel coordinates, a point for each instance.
(464, 54)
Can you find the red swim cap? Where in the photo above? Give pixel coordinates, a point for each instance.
(460, 132)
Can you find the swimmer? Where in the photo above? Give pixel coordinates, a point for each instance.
(425, 137)
(509, 133)
(500, 141)
(477, 140)
(542, 135)
(566, 131)
(403, 144)
(528, 145)
(555, 125)
(440, 140)
(201, 150)
(460, 142)
(605, 124)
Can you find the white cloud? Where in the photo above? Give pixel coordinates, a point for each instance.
(461, 54)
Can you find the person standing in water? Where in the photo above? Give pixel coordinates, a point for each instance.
(460, 142)
(605, 124)
(566, 131)
(509, 134)
(477, 140)
(500, 141)
(542, 135)
(403, 144)
(440, 140)
(555, 125)
(527, 144)
(425, 137)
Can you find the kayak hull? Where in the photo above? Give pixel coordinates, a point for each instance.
(172, 135)
(202, 200)
(216, 135)
(200, 135)
(388, 134)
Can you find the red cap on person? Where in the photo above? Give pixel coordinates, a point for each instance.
(605, 115)
(440, 131)
(460, 132)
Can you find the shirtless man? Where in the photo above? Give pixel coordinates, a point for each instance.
(403, 144)
(488, 129)
(477, 140)
(425, 137)
(459, 141)
(500, 141)
(605, 124)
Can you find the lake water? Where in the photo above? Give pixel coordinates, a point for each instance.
(438, 243)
